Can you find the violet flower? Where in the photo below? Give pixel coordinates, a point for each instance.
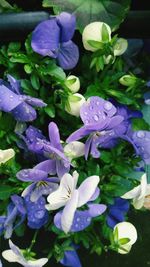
(70, 198)
(15, 211)
(71, 258)
(53, 149)
(141, 141)
(41, 183)
(104, 123)
(53, 38)
(16, 103)
(117, 212)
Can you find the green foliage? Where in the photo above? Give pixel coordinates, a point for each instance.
(110, 12)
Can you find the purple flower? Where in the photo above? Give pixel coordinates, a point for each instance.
(104, 123)
(18, 104)
(41, 183)
(71, 259)
(141, 140)
(37, 215)
(52, 149)
(53, 38)
(117, 212)
(15, 211)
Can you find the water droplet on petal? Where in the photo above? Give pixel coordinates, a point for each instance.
(96, 117)
(88, 219)
(91, 107)
(85, 113)
(108, 105)
(140, 134)
(97, 103)
(146, 156)
(76, 225)
(78, 219)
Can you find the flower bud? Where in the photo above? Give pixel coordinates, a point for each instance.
(6, 155)
(128, 80)
(120, 47)
(98, 32)
(73, 83)
(74, 149)
(74, 104)
(125, 235)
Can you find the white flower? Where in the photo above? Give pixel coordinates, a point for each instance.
(14, 254)
(75, 102)
(67, 195)
(6, 155)
(139, 193)
(73, 83)
(120, 46)
(74, 150)
(122, 231)
(93, 32)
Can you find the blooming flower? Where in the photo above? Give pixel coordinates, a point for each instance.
(18, 104)
(117, 211)
(6, 155)
(53, 149)
(141, 141)
(73, 83)
(74, 104)
(67, 195)
(104, 123)
(122, 231)
(41, 183)
(53, 38)
(139, 193)
(14, 254)
(71, 259)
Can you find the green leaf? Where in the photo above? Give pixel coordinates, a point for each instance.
(4, 5)
(111, 12)
(28, 68)
(124, 241)
(35, 81)
(147, 168)
(13, 47)
(105, 34)
(5, 191)
(96, 44)
(138, 124)
(50, 110)
(19, 58)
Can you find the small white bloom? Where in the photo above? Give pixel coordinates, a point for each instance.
(67, 195)
(74, 150)
(73, 83)
(6, 155)
(139, 193)
(120, 46)
(93, 32)
(14, 254)
(125, 230)
(75, 102)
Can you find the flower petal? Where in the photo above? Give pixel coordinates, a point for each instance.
(68, 55)
(87, 189)
(67, 24)
(37, 263)
(71, 259)
(24, 112)
(96, 209)
(33, 175)
(45, 38)
(69, 211)
(35, 101)
(6, 155)
(8, 99)
(54, 135)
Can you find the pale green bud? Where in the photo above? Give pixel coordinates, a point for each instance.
(74, 104)
(98, 33)
(73, 83)
(6, 155)
(128, 80)
(120, 46)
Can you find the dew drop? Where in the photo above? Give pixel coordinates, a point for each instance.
(108, 105)
(96, 117)
(78, 219)
(76, 225)
(140, 134)
(146, 156)
(88, 219)
(85, 113)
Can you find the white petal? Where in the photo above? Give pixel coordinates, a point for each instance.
(75, 86)
(87, 189)
(138, 203)
(74, 149)
(135, 192)
(60, 197)
(125, 249)
(120, 47)
(68, 212)
(6, 155)
(148, 190)
(143, 186)
(37, 263)
(74, 106)
(10, 256)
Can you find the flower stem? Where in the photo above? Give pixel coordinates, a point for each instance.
(33, 240)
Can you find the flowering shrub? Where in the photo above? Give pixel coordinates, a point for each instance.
(72, 164)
